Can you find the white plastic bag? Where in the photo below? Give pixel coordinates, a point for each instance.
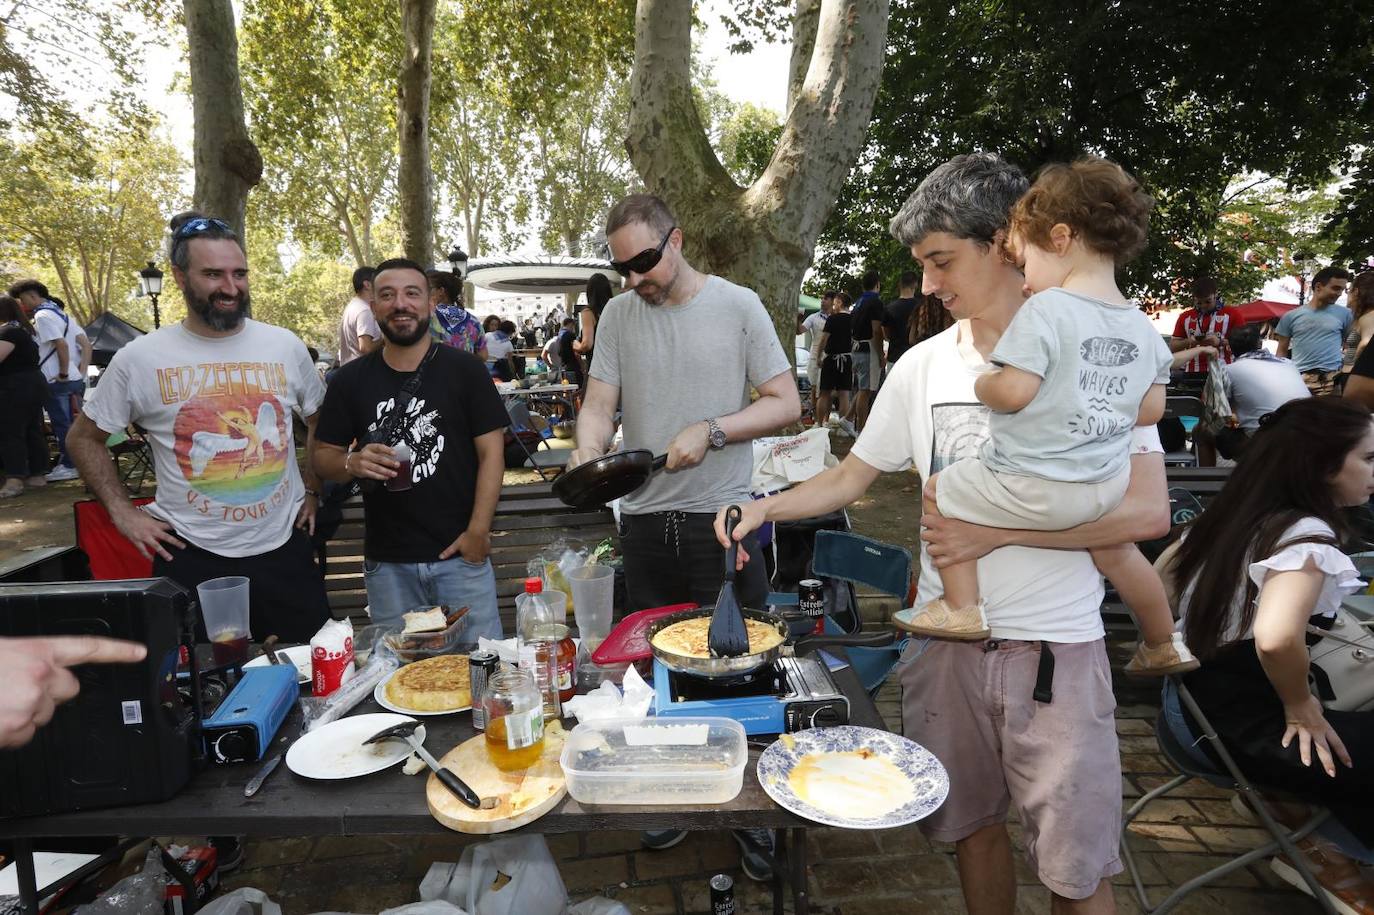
(137, 893)
(243, 901)
(783, 461)
(511, 876)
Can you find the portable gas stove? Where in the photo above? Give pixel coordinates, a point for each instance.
(789, 694)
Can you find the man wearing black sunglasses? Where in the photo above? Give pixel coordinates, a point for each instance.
(678, 353)
(214, 394)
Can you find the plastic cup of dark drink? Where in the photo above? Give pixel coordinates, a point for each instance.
(229, 649)
(224, 609)
(401, 482)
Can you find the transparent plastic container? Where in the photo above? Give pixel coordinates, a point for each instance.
(655, 761)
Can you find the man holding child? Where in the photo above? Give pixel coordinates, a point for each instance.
(1011, 727)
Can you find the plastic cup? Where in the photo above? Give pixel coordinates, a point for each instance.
(593, 588)
(224, 608)
(401, 482)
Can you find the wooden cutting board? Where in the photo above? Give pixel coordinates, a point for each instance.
(525, 795)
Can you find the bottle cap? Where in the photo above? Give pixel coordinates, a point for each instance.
(534, 585)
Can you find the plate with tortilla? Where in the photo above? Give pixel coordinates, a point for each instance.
(853, 777)
(435, 686)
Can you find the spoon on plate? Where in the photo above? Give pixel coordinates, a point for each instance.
(450, 780)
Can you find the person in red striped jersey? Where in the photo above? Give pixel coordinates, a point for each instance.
(1207, 323)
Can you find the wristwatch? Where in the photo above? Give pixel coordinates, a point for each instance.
(717, 435)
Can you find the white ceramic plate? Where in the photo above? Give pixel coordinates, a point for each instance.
(336, 750)
(379, 693)
(853, 777)
(299, 655)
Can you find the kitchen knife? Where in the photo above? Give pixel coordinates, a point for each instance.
(256, 781)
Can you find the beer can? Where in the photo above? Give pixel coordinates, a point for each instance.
(811, 597)
(482, 666)
(722, 895)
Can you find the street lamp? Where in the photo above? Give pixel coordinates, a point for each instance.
(150, 284)
(458, 262)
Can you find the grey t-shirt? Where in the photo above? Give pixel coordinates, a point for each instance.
(680, 364)
(1097, 361)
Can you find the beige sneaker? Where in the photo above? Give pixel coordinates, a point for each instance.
(13, 487)
(1173, 657)
(938, 620)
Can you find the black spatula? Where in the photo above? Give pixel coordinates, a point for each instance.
(728, 637)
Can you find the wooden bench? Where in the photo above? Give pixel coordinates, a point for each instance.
(528, 521)
(1202, 482)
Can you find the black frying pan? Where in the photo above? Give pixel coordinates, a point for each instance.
(607, 478)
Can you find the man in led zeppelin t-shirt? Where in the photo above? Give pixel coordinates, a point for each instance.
(214, 396)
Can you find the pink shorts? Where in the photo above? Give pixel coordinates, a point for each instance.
(1057, 762)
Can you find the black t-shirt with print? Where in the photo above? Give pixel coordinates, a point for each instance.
(839, 326)
(24, 356)
(456, 403)
(895, 320)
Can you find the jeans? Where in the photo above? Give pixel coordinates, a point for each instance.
(61, 410)
(395, 588)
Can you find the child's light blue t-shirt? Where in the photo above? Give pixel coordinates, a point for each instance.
(1097, 361)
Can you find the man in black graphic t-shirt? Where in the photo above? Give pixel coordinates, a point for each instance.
(427, 544)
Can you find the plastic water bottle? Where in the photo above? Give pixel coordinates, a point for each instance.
(536, 633)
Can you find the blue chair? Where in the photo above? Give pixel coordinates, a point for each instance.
(855, 559)
(1183, 753)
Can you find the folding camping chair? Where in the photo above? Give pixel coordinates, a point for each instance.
(131, 444)
(546, 461)
(111, 555)
(1191, 763)
(854, 559)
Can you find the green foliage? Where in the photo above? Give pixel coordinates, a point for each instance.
(747, 140)
(319, 83)
(57, 49)
(307, 298)
(85, 214)
(582, 168)
(1186, 96)
(1351, 225)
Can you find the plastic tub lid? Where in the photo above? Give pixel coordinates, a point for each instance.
(629, 640)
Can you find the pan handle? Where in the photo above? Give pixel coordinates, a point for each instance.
(659, 462)
(733, 514)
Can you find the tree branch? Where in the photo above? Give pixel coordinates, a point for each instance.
(666, 140)
(827, 123)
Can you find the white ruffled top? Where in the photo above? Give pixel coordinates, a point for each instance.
(1341, 577)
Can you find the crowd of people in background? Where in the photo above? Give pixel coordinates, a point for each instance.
(852, 346)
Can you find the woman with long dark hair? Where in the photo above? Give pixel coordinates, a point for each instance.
(1359, 298)
(598, 294)
(23, 391)
(1259, 566)
(928, 318)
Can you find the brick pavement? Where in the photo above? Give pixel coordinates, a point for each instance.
(1175, 839)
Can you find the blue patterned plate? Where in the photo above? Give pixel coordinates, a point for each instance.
(853, 777)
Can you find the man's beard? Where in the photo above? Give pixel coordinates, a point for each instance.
(215, 317)
(415, 336)
(659, 293)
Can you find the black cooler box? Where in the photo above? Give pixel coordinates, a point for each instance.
(129, 737)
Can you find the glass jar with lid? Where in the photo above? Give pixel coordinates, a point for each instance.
(515, 720)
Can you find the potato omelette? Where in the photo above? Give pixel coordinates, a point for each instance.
(688, 638)
(437, 684)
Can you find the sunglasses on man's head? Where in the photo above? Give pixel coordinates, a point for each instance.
(645, 260)
(200, 225)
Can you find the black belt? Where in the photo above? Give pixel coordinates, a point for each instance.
(1044, 673)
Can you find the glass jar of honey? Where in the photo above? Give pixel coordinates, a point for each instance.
(515, 720)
